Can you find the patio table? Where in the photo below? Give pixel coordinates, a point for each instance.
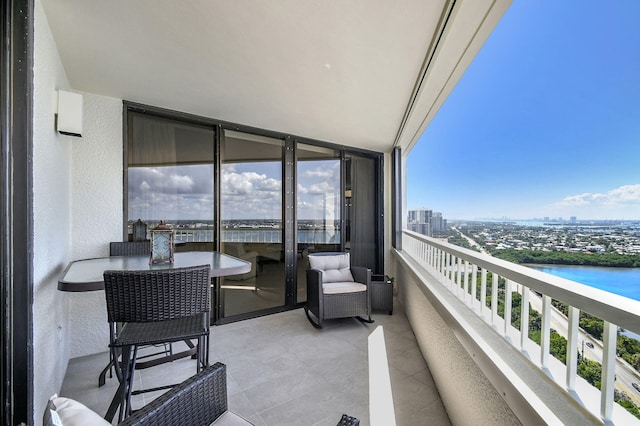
(86, 274)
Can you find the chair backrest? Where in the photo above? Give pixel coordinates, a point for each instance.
(129, 248)
(157, 295)
(335, 266)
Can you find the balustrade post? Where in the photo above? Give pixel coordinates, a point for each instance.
(609, 338)
(572, 347)
(524, 317)
(483, 291)
(494, 298)
(545, 333)
(465, 282)
(474, 284)
(508, 297)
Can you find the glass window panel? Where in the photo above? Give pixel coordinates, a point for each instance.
(251, 221)
(170, 176)
(318, 206)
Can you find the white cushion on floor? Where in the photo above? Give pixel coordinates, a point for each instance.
(343, 287)
(72, 413)
(229, 418)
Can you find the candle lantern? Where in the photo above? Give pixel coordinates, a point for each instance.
(139, 231)
(161, 244)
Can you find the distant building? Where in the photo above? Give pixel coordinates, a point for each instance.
(573, 219)
(426, 222)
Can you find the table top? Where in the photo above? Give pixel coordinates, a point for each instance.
(87, 274)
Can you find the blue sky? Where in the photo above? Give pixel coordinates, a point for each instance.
(545, 122)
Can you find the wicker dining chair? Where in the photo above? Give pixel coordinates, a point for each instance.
(335, 289)
(153, 307)
(129, 248)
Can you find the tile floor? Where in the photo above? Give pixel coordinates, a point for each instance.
(282, 371)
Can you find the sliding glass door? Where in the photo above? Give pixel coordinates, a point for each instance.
(268, 200)
(251, 213)
(319, 206)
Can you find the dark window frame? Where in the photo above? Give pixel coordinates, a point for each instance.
(16, 226)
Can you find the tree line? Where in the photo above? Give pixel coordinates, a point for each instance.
(563, 258)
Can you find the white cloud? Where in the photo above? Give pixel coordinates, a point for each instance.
(619, 203)
(622, 196)
(318, 174)
(182, 183)
(250, 195)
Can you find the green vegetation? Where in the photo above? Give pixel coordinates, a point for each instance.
(588, 369)
(629, 350)
(626, 347)
(563, 258)
(591, 371)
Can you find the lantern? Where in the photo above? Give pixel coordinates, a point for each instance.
(139, 231)
(161, 244)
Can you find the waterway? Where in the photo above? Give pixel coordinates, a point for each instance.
(622, 281)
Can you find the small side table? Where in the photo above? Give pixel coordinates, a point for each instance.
(381, 293)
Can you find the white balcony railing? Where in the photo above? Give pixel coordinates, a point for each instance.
(465, 274)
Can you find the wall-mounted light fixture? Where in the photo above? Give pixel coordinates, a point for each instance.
(69, 117)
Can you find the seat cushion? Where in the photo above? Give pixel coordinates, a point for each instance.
(66, 411)
(343, 287)
(334, 267)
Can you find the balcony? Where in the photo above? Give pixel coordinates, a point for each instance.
(452, 357)
(256, 67)
(283, 371)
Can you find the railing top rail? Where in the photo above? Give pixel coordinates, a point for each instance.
(607, 306)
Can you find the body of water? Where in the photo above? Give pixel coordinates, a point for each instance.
(622, 281)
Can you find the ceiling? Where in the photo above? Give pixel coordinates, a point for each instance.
(363, 73)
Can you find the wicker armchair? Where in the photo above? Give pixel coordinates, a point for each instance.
(153, 307)
(200, 400)
(335, 289)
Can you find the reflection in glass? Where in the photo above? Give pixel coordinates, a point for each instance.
(251, 222)
(170, 176)
(318, 206)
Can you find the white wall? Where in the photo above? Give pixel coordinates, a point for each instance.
(77, 203)
(51, 213)
(96, 213)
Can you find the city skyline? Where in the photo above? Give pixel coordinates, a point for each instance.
(545, 122)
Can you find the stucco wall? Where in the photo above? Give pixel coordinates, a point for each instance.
(468, 396)
(96, 213)
(77, 210)
(51, 224)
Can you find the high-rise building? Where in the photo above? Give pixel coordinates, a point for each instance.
(425, 221)
(436, 222)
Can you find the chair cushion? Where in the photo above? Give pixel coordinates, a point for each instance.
(343, 287)
(66, 411)
(229, 418)
(335, 267)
